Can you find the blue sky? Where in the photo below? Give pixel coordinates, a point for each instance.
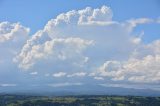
(35, 14)
(58, 43)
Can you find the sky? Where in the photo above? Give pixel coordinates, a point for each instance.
(109, 43)
(35, 14)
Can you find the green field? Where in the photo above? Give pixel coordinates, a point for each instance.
(22, 100)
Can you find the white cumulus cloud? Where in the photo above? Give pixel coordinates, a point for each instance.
(59, 74)
(78, 74)
(142, 67)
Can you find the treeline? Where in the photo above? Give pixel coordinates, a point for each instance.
(22, 100)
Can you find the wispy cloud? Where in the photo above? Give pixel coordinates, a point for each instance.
(65, 84)
(8, 85)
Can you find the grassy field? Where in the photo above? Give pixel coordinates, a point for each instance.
(22, 100)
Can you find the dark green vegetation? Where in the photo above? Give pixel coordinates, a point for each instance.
(20, 100)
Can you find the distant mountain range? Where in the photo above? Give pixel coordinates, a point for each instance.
(79, 90)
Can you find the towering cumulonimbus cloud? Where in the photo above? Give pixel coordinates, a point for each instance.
(70, 32)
